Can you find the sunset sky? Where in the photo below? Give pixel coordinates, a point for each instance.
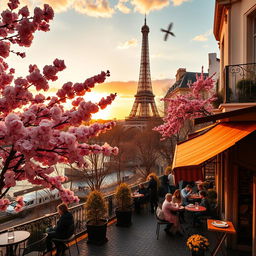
(95, 35)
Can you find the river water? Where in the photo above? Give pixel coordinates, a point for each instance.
(60, 170)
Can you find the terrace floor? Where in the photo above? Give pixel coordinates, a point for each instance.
(140, 239)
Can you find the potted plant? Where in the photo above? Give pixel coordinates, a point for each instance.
(124, 205)
(95, 210)
(198, 245)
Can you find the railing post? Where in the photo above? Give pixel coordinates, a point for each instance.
(226, 91)
(110, 206)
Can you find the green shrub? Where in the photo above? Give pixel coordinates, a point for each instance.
(95, 207)
(123, 197)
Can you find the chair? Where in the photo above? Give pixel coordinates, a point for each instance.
(160, 221)
(69, 240)
(37, 246)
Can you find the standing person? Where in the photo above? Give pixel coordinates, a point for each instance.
(185, 192)
(165, 180)
(172, 186)
(64, 229)
(153, 191)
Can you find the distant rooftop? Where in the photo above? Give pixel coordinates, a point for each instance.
(183, 78)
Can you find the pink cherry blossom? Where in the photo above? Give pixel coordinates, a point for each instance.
(59, 64)
(195, 104)
(13, 4)
(4, 204)
(7, 17)
(4, 49)
(9, 179)
(24, 11)
(37, 132)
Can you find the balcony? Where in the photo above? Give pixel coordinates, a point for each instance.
(240, 83)
(138, 240)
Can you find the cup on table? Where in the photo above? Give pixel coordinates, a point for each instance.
(10, 234)
(197, 205)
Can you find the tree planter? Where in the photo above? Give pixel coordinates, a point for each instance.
(124, 218)
(97, 233)
(199, 253)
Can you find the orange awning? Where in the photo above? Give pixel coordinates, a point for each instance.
(195, 151)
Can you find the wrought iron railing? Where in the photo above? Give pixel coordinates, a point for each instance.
(240, 84)
(39, 225)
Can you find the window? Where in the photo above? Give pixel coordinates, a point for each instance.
(254, 39)
(251, 37)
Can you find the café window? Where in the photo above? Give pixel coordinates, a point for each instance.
(254, 38)
(251, 37)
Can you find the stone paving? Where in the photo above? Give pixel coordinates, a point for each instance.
(140, 240)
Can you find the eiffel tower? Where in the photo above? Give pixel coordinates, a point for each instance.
(144, 107)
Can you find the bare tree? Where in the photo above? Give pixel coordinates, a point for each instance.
(94, 171)
(122, 138)
(146, 150)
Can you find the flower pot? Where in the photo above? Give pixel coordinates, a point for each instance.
(198, 253)
(124, 218)
(97, 233)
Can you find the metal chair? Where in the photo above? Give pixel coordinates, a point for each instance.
(160, 221)
(69, 240)
(37, 246)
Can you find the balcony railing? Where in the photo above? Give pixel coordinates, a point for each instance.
(39, 225)
(240, 84)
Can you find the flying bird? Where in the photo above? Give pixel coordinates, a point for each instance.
(168, 31)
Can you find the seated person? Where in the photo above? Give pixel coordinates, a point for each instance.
(140, 200)
(185, 192)
(170, 215)
(142, 190)
(176, 198)
(206, 204)
(199, 187)
(63, 230)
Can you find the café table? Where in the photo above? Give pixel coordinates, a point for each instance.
(193, 208)
(224, 230)
(136, 197)
(9, 244)
(194, 198)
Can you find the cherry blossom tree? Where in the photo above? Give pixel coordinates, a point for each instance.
(37, 132)
(197, 103)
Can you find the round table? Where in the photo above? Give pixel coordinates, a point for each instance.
(19, 237)
(195, 196)
(195, 209)
(137, 195)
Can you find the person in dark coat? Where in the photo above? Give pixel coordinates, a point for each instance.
(153, 193)
(64, 229)
(141, 200)
(206, 204)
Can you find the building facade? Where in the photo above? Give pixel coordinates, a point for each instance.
(230, 140)
(235, 31)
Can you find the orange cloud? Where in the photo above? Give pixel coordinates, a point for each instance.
(179, 2)
(122, 7)
(143, 6)
(94, 8)
(203, 37)
(59, 5)
(129, 89)
(128, 44)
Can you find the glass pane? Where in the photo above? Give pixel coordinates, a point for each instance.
(254, 25)
(254, 48)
